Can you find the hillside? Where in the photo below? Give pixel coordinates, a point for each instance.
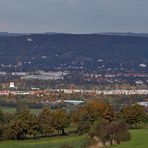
(29, 52)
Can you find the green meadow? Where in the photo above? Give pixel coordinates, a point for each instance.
(52, 142)
(13, 110)
(139, 140)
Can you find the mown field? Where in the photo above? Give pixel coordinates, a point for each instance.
(53, 142)
(139, 140)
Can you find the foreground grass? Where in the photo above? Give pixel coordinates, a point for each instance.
(53, 142)
(139, 140)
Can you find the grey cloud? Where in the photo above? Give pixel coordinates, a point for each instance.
(76, 16)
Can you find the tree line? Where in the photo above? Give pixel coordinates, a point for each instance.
(97, 119)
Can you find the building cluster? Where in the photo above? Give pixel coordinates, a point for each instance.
(70, 91)
(106, 92)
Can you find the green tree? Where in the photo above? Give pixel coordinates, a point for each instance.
(84, 124)
(2, 120)
(8, 117)
(2, 117)
(115, 132)
(21, 104)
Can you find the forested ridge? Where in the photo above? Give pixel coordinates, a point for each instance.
(52, 51)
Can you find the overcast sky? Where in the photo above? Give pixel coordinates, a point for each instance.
(74, 16)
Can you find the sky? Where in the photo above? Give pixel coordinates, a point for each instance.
(74, 16)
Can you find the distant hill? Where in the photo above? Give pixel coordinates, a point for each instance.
(50, 51)
(125, 34)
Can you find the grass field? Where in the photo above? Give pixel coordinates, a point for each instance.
(13, 110)
(53, 142)
(139, 140)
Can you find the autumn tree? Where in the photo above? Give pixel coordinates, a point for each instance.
(23, 124)
(61, 120)
(133, 114)
(91, 112)
(13, 130)
(96, 109)
(45, 120)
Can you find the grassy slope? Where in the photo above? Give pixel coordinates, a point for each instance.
(139, 140)
(54, 142)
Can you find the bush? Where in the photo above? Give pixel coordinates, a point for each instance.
(113, 132)
(83, 128)
(89, 142)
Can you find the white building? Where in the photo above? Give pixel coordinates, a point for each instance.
(12, 85)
